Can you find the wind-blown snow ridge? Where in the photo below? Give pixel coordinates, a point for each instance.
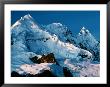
(16, 24)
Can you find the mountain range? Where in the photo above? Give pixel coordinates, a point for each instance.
(52, 50)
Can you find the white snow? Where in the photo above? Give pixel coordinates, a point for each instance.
(33, 26)
(28, 16)
(57, 24)
(93, 70)
(16, 24)
(82, 69)
(40, 68)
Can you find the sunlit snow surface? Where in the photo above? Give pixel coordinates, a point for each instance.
(39, 68)
(28, 39)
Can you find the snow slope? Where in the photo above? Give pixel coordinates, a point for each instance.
(81, 68)
(39, 68)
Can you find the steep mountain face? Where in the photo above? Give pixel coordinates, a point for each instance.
(84, 39)
(29, 40)
(87, 41)
(61, 31)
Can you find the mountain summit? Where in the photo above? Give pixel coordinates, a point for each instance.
(84, 31)
(87, 41)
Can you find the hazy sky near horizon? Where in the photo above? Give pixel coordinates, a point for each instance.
(74, 20)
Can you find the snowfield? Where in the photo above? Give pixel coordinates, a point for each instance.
(39, 68)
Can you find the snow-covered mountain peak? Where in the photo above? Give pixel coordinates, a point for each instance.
(22, 20)
(28, 16)
(60, 30)
(57, 24)
(26, 21)
(87, 41)
(83, 28)
(84, 36)
(84, 31)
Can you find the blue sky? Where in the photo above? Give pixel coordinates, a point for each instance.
(74, 20)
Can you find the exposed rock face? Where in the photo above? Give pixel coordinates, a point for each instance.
(15, 74)
(34, 59)
(67, 72)
(44, 59)
(46, 73)
(47, 59)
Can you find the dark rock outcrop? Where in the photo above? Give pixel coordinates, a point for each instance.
(44, 59)
(46, 73)
(47, 59)
(67, 72)
(34, 59)
(15, 74)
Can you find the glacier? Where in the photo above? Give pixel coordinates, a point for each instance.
(30, 39)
